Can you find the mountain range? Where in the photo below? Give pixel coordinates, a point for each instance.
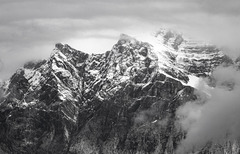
(121, 101)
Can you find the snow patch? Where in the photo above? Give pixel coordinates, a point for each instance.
(94, 72)
(193, 81)
(33, 76)
(66, 132)
(124, 78)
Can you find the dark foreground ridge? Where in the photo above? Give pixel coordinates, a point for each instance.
(122, 101)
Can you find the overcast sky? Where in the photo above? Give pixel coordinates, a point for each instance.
(30, 28)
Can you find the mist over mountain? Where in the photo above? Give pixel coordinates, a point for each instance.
(27, 32)
(169, 94)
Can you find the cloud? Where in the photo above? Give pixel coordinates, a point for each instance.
(214, 118)
(230, 7)
(29, 28)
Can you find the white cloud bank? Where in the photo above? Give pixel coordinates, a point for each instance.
(218, 118)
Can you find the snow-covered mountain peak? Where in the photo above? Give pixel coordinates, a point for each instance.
(98, 98)
(177, 56)
(127, 55)
(124, 38)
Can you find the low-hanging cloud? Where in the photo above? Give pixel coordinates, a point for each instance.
(214, 118)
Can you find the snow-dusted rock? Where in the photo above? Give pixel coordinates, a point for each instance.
(122, 100)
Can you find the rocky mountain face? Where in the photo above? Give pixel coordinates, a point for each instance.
(121, 101)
